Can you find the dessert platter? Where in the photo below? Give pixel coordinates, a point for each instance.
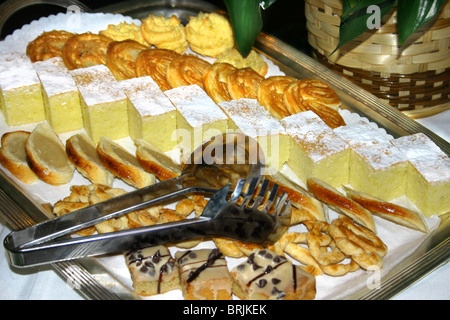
(352, 167)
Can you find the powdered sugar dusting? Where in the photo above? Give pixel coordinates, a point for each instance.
(54, 76)
(16, 71)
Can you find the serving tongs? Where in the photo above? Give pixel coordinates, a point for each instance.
(224, 162)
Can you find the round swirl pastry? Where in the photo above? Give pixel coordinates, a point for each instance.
(85, 50)
(48, 45)
(209, 34)
(270, 94)
(215, 81)
(314, 95)
(154, 63)
(121, 58)
(186, 70)
(253, 60)
(124, 31)
(164, 33)
(243, 83)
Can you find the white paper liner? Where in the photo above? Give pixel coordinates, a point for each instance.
(401, 241)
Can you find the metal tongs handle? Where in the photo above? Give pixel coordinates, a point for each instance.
(33, 246)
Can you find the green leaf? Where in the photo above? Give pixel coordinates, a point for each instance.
(246, 19)
(411, 15)
(355, 18)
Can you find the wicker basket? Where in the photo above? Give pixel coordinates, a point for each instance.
(415, 78)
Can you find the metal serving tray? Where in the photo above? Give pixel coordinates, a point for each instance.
(18, 210)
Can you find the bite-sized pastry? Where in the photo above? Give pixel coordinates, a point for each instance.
(104, 106)
(215, 81)
(121, 58)
(60, 94)
(243, 83)
(164, 33)
(270, 94)
(154, 63)
(123, 164)
(268, 276)
(21, 91)
(204, 275)
(186, 70)
(48, 45)
(339, 202)
(124, 31)
(317, 96)
(85, 50)
(47, 156)
(254, 60)
(389, 211)
(83, 155)
(14, 158)
(153, 270)
(209, 34)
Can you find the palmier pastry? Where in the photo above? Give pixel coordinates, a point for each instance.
(48, 45)
(186, 70)
(85, 50)
(314, 95)
(209, 34)
(154, 63)
(121, 58)
(270, 94)
(124, 31)
(253, 60)
(215, 81)
(243, 83)
(164, 33)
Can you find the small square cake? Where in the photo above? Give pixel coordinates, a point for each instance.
(201, 118)
(251, 118)
(153, 270)
(104, 106)
(428, 174)
(268, 276)
(61, 98)
(204, 275)
(315, 150)
(152, 116)
(21, 92)
(376, 166)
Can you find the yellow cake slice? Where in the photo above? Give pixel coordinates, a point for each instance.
(428, 174)
(103, 104)
(201, 117)
(376, 166)
(251, 118)
(151, 115)
(315, 150)
(60, 93)
(21, 92)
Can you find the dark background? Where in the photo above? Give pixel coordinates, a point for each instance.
(285, 19)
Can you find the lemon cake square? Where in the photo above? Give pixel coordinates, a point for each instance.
(201, 118)
(60, 93)
(376, 166)
(103, 104)
(315, 150)
(428, 173)
(151, 115)
(251, 118)
(21, 91)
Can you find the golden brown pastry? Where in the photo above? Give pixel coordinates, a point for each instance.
(124, 31)
(254, 60)
(164, 33)
(48, 45)
(243, 83)
(186, 70)
(154, 63)
(270, 94)
(121, 58)
(314, 95)
(209, 34)
(215, 81)
(85, 50)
